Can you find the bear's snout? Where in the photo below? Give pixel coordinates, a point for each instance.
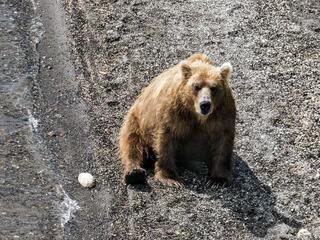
(205, 107)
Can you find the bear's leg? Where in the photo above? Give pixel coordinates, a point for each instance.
(221, 164)
(131, 153)
(165, 166)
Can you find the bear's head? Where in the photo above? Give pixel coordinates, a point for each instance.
(205, 85)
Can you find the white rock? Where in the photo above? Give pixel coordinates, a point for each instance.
(86, 180)
(316, 232)
(304, 234)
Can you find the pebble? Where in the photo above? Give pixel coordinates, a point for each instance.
(316, 232)
(304, 234)
(52, 134)
(86, 180)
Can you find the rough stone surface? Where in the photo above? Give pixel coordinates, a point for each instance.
(93, 59)
(304, 234)
(29, 191)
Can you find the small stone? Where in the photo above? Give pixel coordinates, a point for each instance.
(86, 180)
(15, 166)
(112, 36)
(294, 28)
(52, 134)
(281, 231)
(304, 234)
(316, 232)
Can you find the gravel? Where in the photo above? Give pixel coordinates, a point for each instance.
(274, 48)
(102, 53)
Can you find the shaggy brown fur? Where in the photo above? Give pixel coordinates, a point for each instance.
(188, 111)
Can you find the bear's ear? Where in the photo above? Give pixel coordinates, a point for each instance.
(226, 70)
(186, 70)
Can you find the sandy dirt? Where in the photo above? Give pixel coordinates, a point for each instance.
(71, 69)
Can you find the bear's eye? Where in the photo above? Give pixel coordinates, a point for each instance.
(197, 87)
(213, 89)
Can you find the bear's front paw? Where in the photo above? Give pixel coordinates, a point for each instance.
(136, 176)
(167, 181)
(217, 181)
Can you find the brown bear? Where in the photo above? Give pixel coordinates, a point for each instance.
(186, 113)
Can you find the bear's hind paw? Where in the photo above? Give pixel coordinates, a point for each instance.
(168, 182)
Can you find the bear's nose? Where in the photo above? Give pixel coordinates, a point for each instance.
(205, 107)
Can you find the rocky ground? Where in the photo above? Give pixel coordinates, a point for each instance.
(71, 69)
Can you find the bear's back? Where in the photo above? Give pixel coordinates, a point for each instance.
(157, 94)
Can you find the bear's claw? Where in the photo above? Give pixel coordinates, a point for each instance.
(217, 181)
(168, 182)
(136, 176)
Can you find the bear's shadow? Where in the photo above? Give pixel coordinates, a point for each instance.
(251, 201)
